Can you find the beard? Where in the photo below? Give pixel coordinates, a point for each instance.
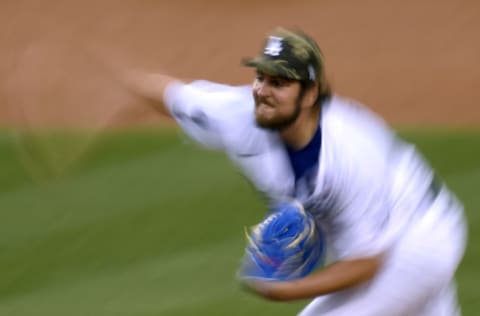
(279, 122)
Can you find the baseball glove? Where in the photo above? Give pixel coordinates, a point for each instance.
(286, 245)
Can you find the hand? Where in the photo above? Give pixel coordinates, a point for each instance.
(272, 290)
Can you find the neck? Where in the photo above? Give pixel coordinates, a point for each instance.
(301, 132)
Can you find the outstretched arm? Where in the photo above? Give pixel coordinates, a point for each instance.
(148, 87)
(196, 107)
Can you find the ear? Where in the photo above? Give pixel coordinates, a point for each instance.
(310, 96)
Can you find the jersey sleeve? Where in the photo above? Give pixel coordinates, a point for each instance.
(362, 212)
(202, 110)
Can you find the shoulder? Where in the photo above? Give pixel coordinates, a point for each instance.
(356, 144)
(345, 112)
(352, 125)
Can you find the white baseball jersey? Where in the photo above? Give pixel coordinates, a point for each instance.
(371, 191)
(369, 186)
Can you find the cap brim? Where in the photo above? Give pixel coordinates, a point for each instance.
(270, 67)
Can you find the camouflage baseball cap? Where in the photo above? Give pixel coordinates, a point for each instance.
(289, 54)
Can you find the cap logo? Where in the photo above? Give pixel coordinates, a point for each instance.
(274, 46)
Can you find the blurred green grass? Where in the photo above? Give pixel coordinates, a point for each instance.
(144, 223)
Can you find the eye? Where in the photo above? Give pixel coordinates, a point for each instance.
(278, 82)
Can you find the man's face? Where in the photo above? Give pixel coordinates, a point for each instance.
(277, 101)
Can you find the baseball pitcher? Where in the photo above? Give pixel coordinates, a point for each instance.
(395, 233)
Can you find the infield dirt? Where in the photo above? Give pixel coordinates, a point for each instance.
(414, 62)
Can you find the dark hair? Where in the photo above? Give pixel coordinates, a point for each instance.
(324, 90)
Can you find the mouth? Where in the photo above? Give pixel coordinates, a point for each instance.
(263, 108)
(262, 102)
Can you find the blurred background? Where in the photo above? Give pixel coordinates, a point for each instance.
(105, 209)
(413, 61)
